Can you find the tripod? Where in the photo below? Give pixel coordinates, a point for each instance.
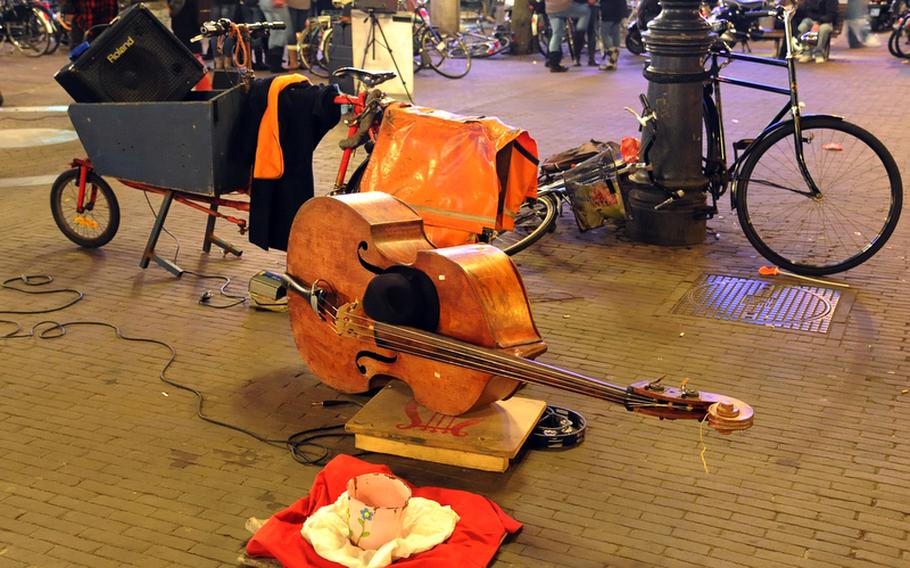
(373, 41)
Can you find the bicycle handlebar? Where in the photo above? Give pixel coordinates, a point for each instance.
(223, 26)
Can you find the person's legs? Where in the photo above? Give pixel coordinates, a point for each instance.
(609, 33)
(582, 15)
(558, 26)
(277, 38)
(803, 27)
(228, 11)
(295, 26)
(593, 30)
(824, 39)
(614, 50)
(252, 14)
(77, 36)
(606, 38)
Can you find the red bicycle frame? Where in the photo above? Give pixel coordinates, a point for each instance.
(359, 106)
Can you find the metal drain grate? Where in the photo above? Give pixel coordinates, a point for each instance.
(804, 308)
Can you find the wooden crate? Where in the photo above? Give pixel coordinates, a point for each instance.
(487, 439)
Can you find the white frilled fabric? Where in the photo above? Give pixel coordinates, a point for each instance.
(426, 524)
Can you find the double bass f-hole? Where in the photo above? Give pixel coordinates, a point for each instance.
(351, 322)
(370, 267)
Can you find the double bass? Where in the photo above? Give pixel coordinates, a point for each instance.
(372, 299)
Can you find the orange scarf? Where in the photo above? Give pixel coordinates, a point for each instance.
(269, 162)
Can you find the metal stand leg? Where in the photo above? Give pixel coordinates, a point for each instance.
(149, 253)
(211, 238)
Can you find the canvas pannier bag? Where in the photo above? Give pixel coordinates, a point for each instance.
(462, 174)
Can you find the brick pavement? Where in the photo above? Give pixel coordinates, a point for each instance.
(106, 466)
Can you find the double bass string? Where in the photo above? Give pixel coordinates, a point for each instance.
(446, 350)
(470, 356)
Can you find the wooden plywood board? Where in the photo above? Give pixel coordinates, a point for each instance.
(392, 422)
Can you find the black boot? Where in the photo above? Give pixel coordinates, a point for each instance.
(553, 59)
(275, 57)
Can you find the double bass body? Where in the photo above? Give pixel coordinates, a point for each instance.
(346, 242)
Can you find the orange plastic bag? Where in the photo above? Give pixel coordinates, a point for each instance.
(462, 174)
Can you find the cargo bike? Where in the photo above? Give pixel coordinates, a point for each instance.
(184, 150)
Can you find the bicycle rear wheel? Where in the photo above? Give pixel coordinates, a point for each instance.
(846, 224)
(535, 217)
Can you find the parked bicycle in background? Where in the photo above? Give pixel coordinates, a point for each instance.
(814, 194)
(26, 27)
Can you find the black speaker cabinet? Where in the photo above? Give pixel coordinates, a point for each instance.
(136, 59)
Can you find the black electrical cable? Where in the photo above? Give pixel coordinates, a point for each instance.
(318, 454)
(204, 300)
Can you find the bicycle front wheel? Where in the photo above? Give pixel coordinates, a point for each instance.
(446, 54)
(99, 218)
(31, 34)
(841, 227)
(535, 217)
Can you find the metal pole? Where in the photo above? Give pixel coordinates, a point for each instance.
(677, 42)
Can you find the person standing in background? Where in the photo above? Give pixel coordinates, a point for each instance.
(612, 13)
(185, 22)
(276, 11)
(83, 15)
(298, 10)
(592, 35)
(249, 10)
(859, 32)
(559, 11)
(224, 9)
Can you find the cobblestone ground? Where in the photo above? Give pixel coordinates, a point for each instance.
(103, 465)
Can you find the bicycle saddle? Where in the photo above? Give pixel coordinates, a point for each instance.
(751, 4)
(368, 78)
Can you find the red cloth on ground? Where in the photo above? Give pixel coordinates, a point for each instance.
(476, 539)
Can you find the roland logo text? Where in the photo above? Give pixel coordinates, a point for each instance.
(115, 55)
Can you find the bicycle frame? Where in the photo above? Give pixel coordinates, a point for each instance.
(712, 94)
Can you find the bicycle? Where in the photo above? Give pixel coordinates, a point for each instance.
(792, 210)
(899, 40)
(814, 194)
(85, 207)
(26, 27)
(363, 124)
(443, 52)
(313, 45)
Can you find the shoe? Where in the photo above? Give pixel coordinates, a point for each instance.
(797, 47)
(804, 58)
(820, 59)
(553, 64)
(614, 57)
(603, 67)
